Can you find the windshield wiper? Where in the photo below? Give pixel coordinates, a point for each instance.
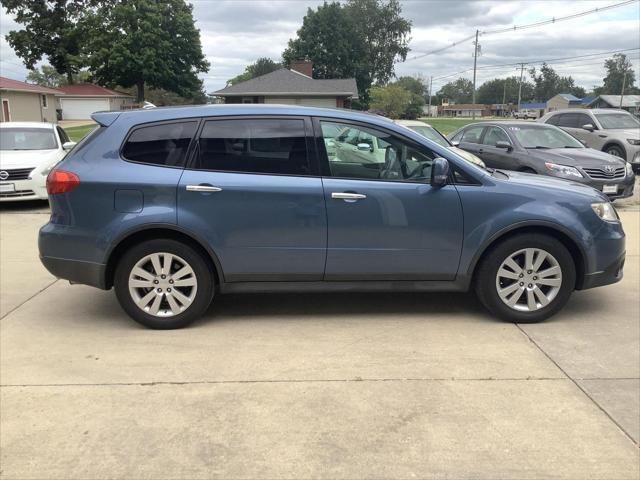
(539, 147)
(571, 146)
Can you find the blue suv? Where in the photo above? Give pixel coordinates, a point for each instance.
(174, 206)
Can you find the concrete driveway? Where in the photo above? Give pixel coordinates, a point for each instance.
(313, 386)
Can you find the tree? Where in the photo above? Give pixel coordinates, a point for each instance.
(361, 39)
(548, 84)
(262, 66)
(493, 91)
(161, 98)
(393, 100)
(459, 91)
(418, 90)
(146, 43)
(617, 67)
(47, 76)
(51, 29)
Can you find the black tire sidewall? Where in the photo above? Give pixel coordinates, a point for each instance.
(487, 271)
(201, 268)
(619, 149)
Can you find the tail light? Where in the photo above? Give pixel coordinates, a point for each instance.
(59, 181)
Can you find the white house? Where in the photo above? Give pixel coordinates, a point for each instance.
(80, 101)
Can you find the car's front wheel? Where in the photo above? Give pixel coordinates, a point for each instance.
(526, 278)
(164, 284)
(615, 150)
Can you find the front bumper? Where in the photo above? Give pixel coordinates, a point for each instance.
(30, 189)
(624, 186)
(611, 274)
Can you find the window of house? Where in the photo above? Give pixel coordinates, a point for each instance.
(165, 144)
(44, 101)
(272, 146)
(370, 154)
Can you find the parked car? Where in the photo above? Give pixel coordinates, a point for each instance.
(174, 206)
(545, 150)
(525, 114)
(613, 131)
(29, 151)
(431, 133)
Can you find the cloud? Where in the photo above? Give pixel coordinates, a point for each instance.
(235, 33)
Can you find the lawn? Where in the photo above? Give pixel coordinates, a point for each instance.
(448, 125)
(78, 133)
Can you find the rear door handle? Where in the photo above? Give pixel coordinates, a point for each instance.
(348, 196)
(203, 188)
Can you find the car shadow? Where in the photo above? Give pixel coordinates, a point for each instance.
(25, 206)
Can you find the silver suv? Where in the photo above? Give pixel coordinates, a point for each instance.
(611, 130)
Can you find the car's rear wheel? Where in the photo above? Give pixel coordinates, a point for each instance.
(526, 278)
(615, 150)
(163, 284)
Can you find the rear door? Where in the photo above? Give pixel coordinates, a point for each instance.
(252, 191)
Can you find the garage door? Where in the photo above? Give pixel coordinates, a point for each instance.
(329, 102)
(82, 108)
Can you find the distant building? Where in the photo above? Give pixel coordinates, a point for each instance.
(464, 110)
(27, 102)
(294, 86)
(630, 103)
(81, 100)
(563, 100)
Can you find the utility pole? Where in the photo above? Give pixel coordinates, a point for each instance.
(430, 85)
(624, 80)
(476, 47)
(520, 85)
(504, 97)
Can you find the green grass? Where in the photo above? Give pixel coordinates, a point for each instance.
(78, 133)
(448, 125)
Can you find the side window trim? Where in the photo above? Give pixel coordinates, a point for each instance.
(486, 130)
(162, 122)
(308, 131)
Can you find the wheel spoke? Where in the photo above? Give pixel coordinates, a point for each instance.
(144, 301)
(549, 272)
(531, 301)
(183, 299)
(155, 261)
(528, 258)
(550, 282)
(513, 265)
(544, 301)
(542, 256)
(166, 266)
(155, 306)
(139, 272)
(515, 297)
(185, 282)
(503, 272)
(505, 292)
(183, 272)
(175, 308)
(141, 283)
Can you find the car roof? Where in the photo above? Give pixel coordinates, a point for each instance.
(592, 110)
(193, 111)
(412, 123)
(503, 123)
(43, 125)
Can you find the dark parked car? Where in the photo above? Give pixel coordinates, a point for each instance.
(174, 206)
(545, 150)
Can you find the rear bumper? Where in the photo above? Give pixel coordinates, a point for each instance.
(86, 273)
(611, 274)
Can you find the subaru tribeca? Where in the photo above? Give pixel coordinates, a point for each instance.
(174, 206)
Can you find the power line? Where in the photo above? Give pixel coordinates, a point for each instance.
(522, 27)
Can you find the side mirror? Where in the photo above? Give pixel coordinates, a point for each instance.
(439, 172)
(589, 127)
(364, 147)
(504, 144)
(68, 145)
(455, 143)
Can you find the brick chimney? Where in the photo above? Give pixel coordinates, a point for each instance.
(302, 66)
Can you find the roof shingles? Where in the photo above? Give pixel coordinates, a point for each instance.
(17, 85)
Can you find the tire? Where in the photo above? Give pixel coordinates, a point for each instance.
(175, 306)
(616, 151)
(488, 280)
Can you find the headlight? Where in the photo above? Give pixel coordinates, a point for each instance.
(605, 211)
(629, 169)
(563, 171)
(634, 141)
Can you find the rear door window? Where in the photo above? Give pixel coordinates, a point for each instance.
(269, 146)
(568, 120)
(165, 144)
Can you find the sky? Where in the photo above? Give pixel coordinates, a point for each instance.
(234, 33)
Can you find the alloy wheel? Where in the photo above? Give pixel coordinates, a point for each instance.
(529, 279)
(162, 284)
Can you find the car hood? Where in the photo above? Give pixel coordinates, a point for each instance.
(27, 158)
(469, 157)
(582, 157)
(558, 184)
(624, 133)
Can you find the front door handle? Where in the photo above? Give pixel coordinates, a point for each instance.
(348, 196)
(480, 150)
(203, 188)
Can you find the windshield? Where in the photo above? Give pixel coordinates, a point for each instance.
(617, 121)
(431, 133)
(27, 139)
(540, 136)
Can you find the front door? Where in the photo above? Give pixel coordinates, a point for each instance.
(252, 192)
(493, 156)
(385, 221)
(6, 116)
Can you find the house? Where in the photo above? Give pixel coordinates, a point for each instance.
(563, 100)
(293, 86)
(81, 100)
(630, 103)
(464, 110)
(27, 102)
(539, 108)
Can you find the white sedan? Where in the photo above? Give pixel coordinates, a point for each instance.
(28, 152)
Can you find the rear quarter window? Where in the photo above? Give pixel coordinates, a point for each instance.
(164, 145)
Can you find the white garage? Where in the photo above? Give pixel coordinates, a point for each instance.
(81, 100)
(82, 108)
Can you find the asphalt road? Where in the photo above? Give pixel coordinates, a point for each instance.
(313, 386)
